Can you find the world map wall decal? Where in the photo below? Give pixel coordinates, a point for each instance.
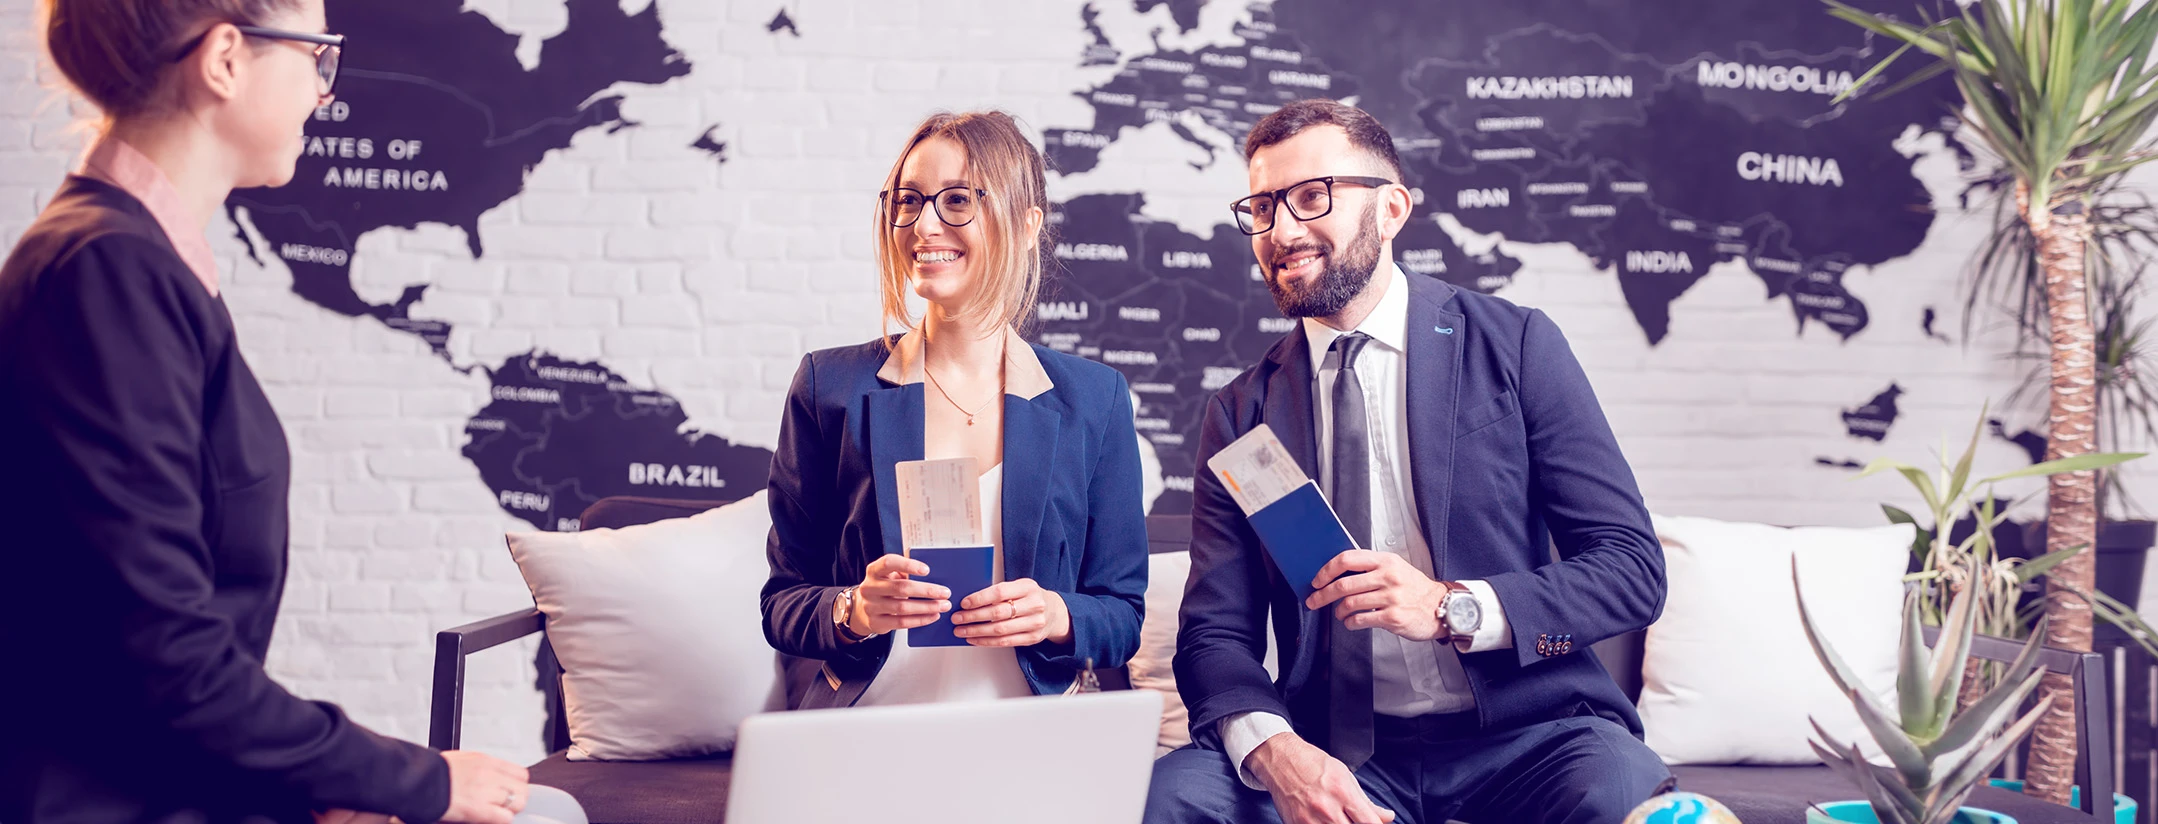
(1657, 138)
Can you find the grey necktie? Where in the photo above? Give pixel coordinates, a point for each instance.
(1349, 678)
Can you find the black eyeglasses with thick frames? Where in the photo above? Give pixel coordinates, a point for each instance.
(329, 51)
(955, 205)
(1306, 200)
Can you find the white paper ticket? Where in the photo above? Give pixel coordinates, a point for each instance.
(1256, 469)
(940, 502)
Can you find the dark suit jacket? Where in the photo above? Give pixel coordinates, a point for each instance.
(145, 492)
(1510, 451)
(1072, 516)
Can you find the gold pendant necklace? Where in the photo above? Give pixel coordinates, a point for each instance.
(948, 396)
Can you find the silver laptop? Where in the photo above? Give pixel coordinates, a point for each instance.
(1081, 759)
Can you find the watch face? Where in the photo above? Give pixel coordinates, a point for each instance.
(1463, 614)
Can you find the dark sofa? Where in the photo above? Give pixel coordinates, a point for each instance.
(694, 791)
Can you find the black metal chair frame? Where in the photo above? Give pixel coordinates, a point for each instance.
(445, 721)
(2094, 724)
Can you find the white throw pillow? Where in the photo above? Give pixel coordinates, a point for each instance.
(658, 630)
(1729, 677)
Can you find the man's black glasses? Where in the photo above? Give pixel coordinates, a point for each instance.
(329, 50)
(955, 205)
(1307, 200)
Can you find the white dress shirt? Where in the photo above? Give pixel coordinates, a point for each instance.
(1408, 678)
(936, 675)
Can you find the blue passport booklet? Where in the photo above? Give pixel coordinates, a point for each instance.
(1301, 533)
(1296, 525)
(964, 570)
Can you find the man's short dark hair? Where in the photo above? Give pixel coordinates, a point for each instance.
(1364, 130)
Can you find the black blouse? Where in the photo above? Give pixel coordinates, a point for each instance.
(144, 478)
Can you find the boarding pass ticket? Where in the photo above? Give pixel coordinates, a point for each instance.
(940, 502)
(1257, 469)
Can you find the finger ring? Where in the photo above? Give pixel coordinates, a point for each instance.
(509, 797)
(1010, 610)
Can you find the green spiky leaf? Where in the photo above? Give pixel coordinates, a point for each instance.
(1920, 536)
(1986, 717)
(1891, 800)
(2112, 611)
(1989, 756)
(1990, 712)
(1962, 471)
(1951, 649)
(1918, 478)
(2079, 463)
(1895, 743)
(1879, 465)
(1914, 695)
(2044, 563)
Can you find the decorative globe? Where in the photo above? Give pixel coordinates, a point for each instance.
(1681, 808)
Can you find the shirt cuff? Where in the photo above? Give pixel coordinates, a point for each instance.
(1245, 731)
(1493, 633)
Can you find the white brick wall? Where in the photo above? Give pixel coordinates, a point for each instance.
(709, 281)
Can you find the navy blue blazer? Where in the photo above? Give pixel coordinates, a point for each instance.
(1510, 452)
(1072, 515)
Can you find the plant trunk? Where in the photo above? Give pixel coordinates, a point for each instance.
(2071, 497)
(1977, 680)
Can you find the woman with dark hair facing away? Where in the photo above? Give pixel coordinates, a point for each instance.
(146, 472)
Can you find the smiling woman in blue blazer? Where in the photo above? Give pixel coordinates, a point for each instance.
(960, 223)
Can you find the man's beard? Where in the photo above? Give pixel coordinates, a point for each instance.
(1340, 280)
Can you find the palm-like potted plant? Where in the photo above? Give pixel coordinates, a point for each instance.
(1937, 752)
(2124, 245)
(2060, 92)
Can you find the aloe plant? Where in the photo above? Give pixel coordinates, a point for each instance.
(1936, 754)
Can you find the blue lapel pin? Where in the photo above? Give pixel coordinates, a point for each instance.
(1443, 330)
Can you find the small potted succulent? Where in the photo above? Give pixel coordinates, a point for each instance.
(1937, 754)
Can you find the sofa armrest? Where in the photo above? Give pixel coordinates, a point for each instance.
(447, 714)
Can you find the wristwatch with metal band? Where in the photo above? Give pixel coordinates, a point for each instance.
(1460, 614)
(842, 611)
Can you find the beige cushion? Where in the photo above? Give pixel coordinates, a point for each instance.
(1151, 667)
(658, 630)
